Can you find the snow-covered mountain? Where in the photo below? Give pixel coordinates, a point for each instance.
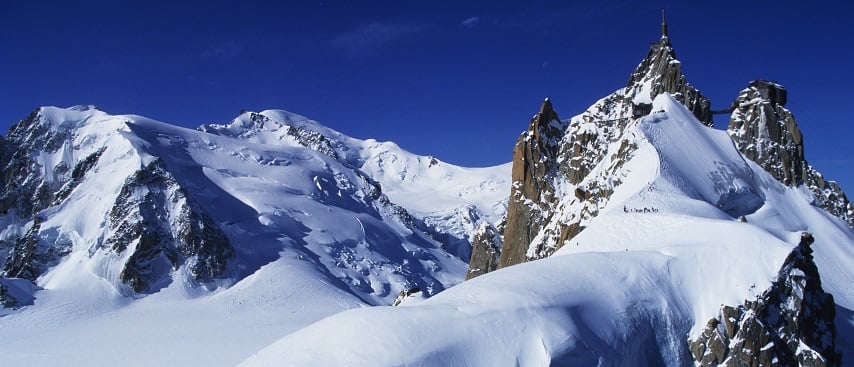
(632, 234)
(767, 133)
(100, 210)
(639, 285)
(636, 235)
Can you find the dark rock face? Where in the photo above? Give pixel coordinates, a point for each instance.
(767, 133)
(830, 197)
(16, 293)
(661, 72)
(24, 190)
(534, 157)
(6, 300)
(153, 216)
(562, 172)
(790, 324)
(313, 140)
(77, 175)
(30, 257)
(486, 249)
(404, 294)
(555, 153)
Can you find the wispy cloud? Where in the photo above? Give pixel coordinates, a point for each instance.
(374, 36)
(470, 22)
(223, 51)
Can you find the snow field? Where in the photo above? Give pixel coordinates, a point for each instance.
(630, 290)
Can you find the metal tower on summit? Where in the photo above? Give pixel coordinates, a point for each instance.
(664, 26)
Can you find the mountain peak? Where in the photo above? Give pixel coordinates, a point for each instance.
(82, 107)
(772, 91)
(767, 133)
(661, 72)
(546, 114)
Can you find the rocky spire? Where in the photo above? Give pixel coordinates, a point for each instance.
(766, 132)
(789, 324)
(553, 161)
(660, 72)
(486, 248)
(534, 158)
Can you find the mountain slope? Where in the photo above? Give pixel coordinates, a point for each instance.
(160, 228)
(554, 161)
(634, 288)
(767, 133)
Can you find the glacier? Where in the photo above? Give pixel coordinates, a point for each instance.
(315, 222)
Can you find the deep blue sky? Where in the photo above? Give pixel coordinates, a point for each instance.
(455, 79)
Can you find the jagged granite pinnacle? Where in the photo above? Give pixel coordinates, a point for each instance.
(789, 324)
(554, 152)
(766, 132)
(660, 72)
(534, 157)
(486, 249)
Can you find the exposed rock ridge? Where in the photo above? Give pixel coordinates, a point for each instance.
(29, 185)
(154, 227)
(565, 172)
(30, 257)
(766, 132)
(532, 192)
(789, 324)
(660, 72)
(24, 189)
(486, 249)
(154, 218)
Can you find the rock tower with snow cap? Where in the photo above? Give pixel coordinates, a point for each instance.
(556, 186)
(766, 132)
(660, 72)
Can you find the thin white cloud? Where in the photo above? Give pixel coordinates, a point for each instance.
(470, 22)
(374, 36)
(223, 51)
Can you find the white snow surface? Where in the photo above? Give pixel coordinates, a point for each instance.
(630, 290)
(310, 238)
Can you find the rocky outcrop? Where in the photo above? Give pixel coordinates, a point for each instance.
(16, 293)
(766, 132)
(660, 72)
(830, 197)
(534, 161)
(790, 324)
(30, 257)
(77, 175)
(154, 227)
(486, 249)
(313, 140)
(565, 171)
(24, 189)
(406, 293)
(153, 217)
(29, 186)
